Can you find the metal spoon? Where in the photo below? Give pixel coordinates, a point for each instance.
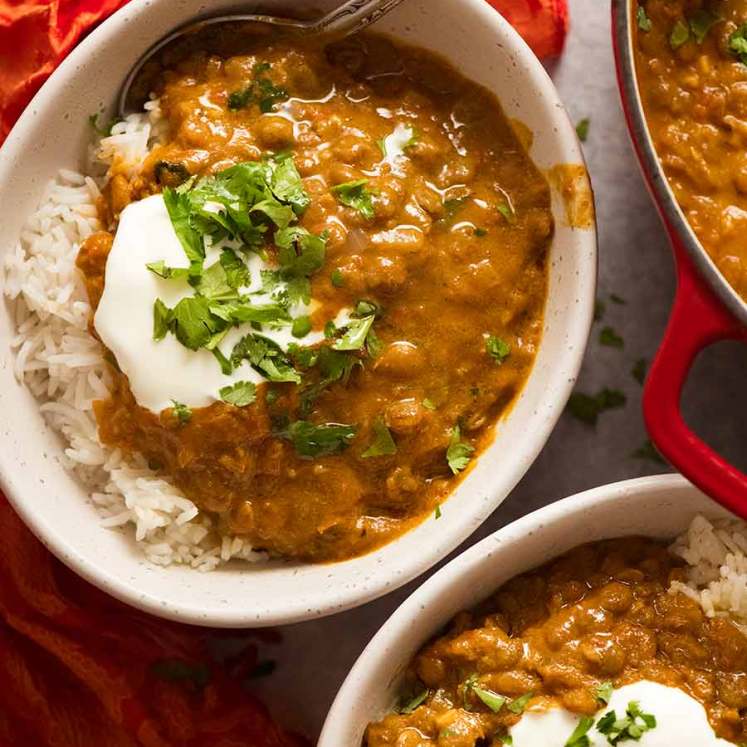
(349, 18)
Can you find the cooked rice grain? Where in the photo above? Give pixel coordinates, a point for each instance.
(63, 365)
(716, 555)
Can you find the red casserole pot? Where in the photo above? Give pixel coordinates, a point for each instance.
(706, 308)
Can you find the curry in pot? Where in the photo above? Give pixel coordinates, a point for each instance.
(394, 193)
(691, 64)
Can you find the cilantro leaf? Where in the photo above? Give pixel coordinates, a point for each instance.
(452, 206)
(497, 349)
(355, 195)
(491, 699)
(167, 273)
(644, 22)
(418, 699)
(311, 440)
(355, 334)
(182, 413)
(506, 209)
(647, 451)
(300, 253)
(193, 324)
(265, 356)
(701, 22)
(240, 394)
(630, 727)
(336, 278)
(517, 705)
(639, 370)
(578, 737)
(162, 318)
(301, 326)
(458, 453)
(582, 129)
(287, 186)
(261, 91)
(382, 444)
(679, 35)
(610, 338)
(587, 408)
(738, 44)
(603, 692)
(179, 210)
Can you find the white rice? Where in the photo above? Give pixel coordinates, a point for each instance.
(716, 556)
(63, 365)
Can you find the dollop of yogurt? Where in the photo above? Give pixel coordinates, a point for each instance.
(164, 371)
(681, 721)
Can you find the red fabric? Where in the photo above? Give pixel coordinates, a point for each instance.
(542, 23)
(79, 669)
(36, 35)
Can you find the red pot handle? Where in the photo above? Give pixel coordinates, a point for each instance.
(698, 319)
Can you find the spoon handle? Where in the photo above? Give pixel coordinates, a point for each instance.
(352, 16)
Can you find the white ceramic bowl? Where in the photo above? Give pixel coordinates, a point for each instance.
(651, 506)
(53, 133)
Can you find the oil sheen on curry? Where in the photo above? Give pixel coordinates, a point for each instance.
(321, 289)
(691, 62)
(592, 649)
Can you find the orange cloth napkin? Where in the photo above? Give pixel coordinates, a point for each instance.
(77, 667)
(36, 35)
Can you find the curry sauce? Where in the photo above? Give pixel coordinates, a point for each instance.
(453, 253)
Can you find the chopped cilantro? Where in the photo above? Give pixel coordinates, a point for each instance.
(644, 22)
(679, 35)
(701, 22)
(599, 309)
(356, 331)
(587, 408)
(301, 326)
(167, 273)
(311, 440)
(582, 129)
(492, 700)
(429, 404)
(610, 338)
(300, 253)
(261, 91)
(265, 356)
(506, 209)
(738, 43)
(373, 344)
(410, 705)
(162, 318)
(578, 738)
(497, 348)
(647, 451)
(452, 206)
(458, 453)
(480, 232)
(102, 130)
(336, 278)
(240, 394)
(182, 412)
(628, 728)
(437, 512)
(517, 705)
(603, 692)
(382, 443)
(639, 370)
(192, 322)
(355, 195)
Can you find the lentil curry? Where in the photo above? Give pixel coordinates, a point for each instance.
(691, 64)
(567, 634)
(433, 222)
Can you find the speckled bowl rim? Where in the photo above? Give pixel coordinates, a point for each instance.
(370, 688)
